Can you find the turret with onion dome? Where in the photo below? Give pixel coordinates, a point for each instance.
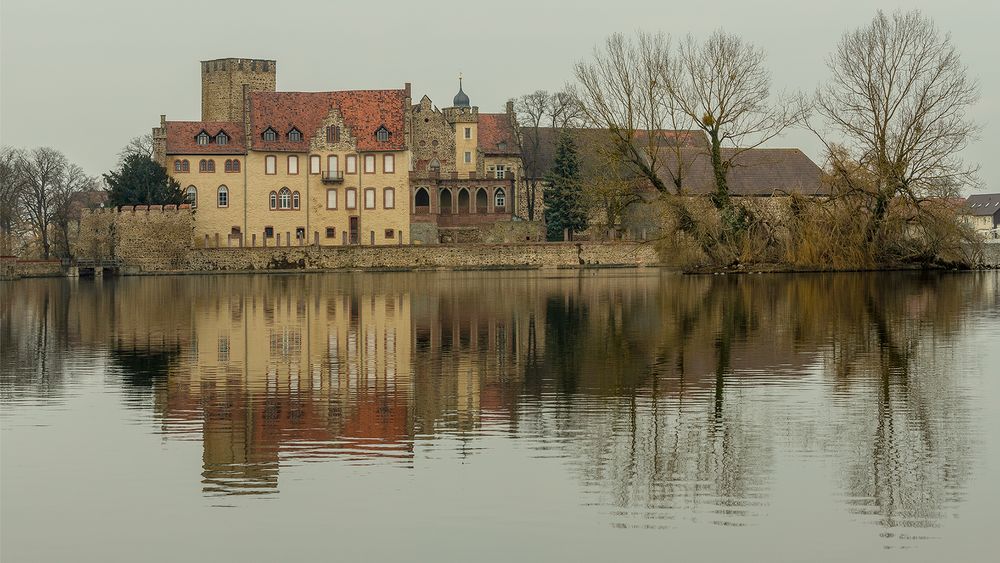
(461, 99)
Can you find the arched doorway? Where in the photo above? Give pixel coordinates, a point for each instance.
(421, 201)
(481, 200)
(444, 199)
(463, 201)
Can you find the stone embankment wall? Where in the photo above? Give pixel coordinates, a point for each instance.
(11, 268)
(148, 238)
(484, 256)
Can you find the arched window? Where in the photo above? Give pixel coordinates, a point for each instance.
(421, 198)
(500, 199)
(270, 134)
(294, 135)
(295, 200)
(236, 165)
(222, 138)
(229, 165)
(445, 202)
(185, 166)
(272, 200)
(382, 134)
(463, 200)
(284, 198)
(202, 138)
(481, 200)
(177, 166)
(223, 197)
(191, 196)
(333, 134)
(211, 165)
(203, 165)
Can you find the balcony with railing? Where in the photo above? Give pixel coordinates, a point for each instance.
(333, 177)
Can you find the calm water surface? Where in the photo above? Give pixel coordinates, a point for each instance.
(578, 416)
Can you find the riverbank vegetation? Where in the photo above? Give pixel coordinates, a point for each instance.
(893, 116)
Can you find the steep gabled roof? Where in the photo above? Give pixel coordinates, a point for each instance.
(363, 112)
(982, 205)
(496, 136)
(753, 172)
(181, 137)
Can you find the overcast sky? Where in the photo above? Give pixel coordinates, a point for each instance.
(84, 77)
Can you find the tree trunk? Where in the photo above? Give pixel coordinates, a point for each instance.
(720, 198)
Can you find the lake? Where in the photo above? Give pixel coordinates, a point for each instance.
(577, 415)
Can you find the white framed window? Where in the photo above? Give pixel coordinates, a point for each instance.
(295, 135)
(389, 198)
(468, 132)
(382, 135)
(223, 198)
(500, 198)
(468, 156)
(352, 198)
(389, 164)
(369, 198)
(270, 164)
(222, 139)
(191, 196)
(293, 164)
(314, 163)
(295, 200)
(331, 199)
(501, 171)
(352, 164)
(272, 200)
(202, 138)
(285, 198)
(332, 164)
(270, 134)
(369, 164)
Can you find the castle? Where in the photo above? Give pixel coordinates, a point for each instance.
(359, 167)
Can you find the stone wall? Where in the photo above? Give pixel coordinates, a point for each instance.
(548, 255)
(11, 268)
(147, 238)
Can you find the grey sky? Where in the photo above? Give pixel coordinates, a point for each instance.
(84, 77)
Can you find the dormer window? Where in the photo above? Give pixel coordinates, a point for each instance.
(270, 134)
(202, 138)
(222, 138)
(295, 135)
(382, 134)
(502, 146)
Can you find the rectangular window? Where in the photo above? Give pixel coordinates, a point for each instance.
(389, 233)
(333, 134)
(389, 164)
(468, 132)
(331, 199)
(369, 198)
(389, 198)
(268, 232)
(352, 198)
(270, 164)
(314, 163)
(293, 164)
(501, 171)
(468, 156)
(352, 164)
(331, 232)
(369, 164)
(332, 165)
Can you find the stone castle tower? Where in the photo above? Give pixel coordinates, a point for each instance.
(222, 86)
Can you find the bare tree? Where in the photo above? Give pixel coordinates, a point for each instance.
(900, 97)
(723, 86)
(67, 203)
(11, 186)
(531, 110)
(43, 172)
(141, 145)
(624, 89)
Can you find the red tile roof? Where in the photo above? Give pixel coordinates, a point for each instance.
(181, 137)
(364, 111)
(494, 129)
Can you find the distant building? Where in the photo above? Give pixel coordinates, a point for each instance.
(982, 211)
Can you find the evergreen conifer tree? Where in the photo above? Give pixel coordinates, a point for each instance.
(141, 181)
(564, 205)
